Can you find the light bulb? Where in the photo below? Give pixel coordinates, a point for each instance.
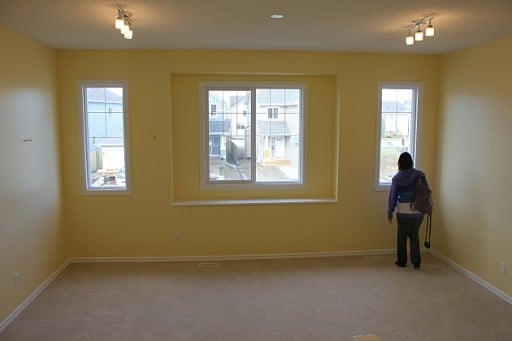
(125, 28)
(128, 34)
(429, 31)
(409, 40)
(418, 36)
(119, 23)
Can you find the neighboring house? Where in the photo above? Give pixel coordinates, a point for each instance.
(277, 128)
(396, 119)
(105, 129)
(220, 130)
(273, 140)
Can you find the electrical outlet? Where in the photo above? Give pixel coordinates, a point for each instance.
(177, 236)
(503, 267)
(17, 279)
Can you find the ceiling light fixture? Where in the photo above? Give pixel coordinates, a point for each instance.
(419, 35)
(409, 40)
(124, 23)
(429, 31)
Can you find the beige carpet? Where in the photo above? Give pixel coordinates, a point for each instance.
(294, 299)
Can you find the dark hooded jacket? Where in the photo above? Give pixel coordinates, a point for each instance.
(403, 188)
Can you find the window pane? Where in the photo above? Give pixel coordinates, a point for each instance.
(104, 136)
(229, 131)
(278, 124)
(397, 129)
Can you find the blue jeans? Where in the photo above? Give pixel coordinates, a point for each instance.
(408, 227)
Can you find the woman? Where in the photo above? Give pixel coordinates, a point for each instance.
(401, 195)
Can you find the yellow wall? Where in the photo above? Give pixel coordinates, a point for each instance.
(464, 152)
(144, 224)
(31, 239)
(475, 161)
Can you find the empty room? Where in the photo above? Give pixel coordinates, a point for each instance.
(135, 203)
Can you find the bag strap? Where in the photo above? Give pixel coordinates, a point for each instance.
(418, 184)
(428, 231)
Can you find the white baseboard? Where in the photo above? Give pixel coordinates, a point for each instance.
(32, 296)
(474, 277)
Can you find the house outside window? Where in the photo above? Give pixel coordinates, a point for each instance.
(398, 113)
(104, 126)
(249, 143)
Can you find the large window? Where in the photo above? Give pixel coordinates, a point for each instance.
(104, 126)
(253, 134)
(398, 104)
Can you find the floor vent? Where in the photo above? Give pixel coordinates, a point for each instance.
(209, 265)
(367, 337)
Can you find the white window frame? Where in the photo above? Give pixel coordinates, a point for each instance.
(235, 185)
(415, 115)
(87, 189)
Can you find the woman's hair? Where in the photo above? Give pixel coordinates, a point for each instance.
(405, 161)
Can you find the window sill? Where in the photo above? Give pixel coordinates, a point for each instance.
(254, 202)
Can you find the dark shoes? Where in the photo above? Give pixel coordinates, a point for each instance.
(416, 265)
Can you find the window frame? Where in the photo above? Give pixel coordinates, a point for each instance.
(417, 88)
(239, 185)
(82, 86)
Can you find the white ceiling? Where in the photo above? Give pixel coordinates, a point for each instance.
(321, 25)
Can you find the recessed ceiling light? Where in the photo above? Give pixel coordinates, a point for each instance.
(277, 16)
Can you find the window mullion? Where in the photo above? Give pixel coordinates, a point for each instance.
(85, 137)
(414, 120)
(253, 135)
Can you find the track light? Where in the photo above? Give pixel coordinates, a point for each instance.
(119, 22)
(409, 40)
(419, 34)
(429, 31)
(128, 34)
(123, 23)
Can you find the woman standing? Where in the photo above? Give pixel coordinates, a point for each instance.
(401, 195)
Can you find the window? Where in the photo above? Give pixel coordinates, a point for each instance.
(272, 112)
(248, 141)
(398, 111)
(104, 123)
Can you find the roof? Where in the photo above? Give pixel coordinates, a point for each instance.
(103, 94)
(272, 127)
(219, 126)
